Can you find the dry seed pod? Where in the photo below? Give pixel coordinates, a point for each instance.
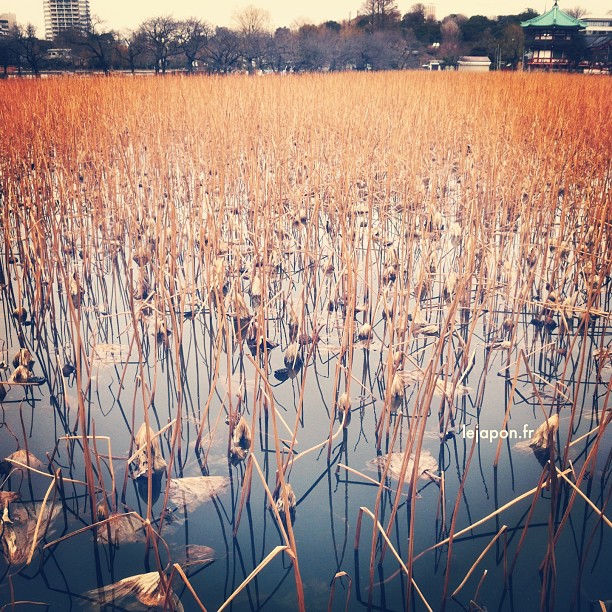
(432, 263)
(141, 457)
(241, 310)
(256, 291)
(365, 332)
(389, 274)
(397, 392)
(20, 375)
(398, 359)
(541, 436)
(392, 257)
(328, 267)
(292, 358)
(454, 231)
(23, 357)
(102, 511)
(300, 219)
(532, 258)
(21, 314)
(450, 285)
(241, 441)
(567, 308)
(291, 500)
(294, 326)
(344, 408)
(162, 333)
(76, 291)
(387, 312)
(141, 257)
(503, 345)
(142, 286)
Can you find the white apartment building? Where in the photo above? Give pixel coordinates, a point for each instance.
(61, 15)
(7, 21)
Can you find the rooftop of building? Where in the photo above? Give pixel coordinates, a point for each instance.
(554, 18)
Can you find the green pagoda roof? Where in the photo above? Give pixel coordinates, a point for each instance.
(555, 18)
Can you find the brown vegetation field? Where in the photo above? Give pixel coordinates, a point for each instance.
(302, 342)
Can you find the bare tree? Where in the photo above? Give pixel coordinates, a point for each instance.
(252, 20)
(577, 12)
(192, 39)
(382, 13)
(130, 46)
(223, 51)
(160, 32)
(7, 54)
(27, 47)
(512, 44)
(254, 28)
(97, 43)
(284, 50)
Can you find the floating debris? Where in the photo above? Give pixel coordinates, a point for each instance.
(193, 491)
(17, 537)
(500, 345)
(196, 554)
(143, 589)
(23, 457)
(282, 374)
(111, 354)
(121, 529)
(427, 330)
(427, 465)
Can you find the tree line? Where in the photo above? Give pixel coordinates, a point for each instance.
(379, 38)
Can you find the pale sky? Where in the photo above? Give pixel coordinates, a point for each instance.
(119, 14)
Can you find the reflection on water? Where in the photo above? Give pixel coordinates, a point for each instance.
(186, 373)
